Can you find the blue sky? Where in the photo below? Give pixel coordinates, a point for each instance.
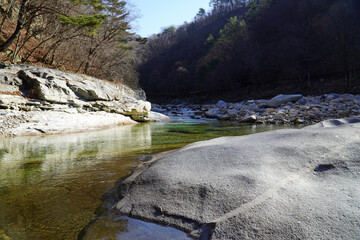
(155, 14)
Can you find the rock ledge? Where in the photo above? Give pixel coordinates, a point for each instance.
(67, 102)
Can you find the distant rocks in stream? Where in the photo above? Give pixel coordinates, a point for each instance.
(282, 109)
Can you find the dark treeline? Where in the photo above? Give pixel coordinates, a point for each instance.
(257, 48)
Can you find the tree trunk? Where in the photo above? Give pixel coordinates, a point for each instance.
(16, 48)
(53, 47)
(78, 69)
(37, 46)
(2, 22)
(19, 25)
(92, 53)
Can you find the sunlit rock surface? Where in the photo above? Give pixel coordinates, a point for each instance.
(52, 122)
(36, 100)
(285, 184)
(47, 89)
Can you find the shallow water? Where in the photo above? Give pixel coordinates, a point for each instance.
(50, 186)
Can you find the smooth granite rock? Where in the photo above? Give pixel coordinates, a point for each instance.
(283, 99)
(285, 184)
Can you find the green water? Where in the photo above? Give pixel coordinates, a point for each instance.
(50, 186)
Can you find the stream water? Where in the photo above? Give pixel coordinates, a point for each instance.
(50, 186)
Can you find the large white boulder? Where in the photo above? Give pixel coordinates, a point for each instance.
(285, 184)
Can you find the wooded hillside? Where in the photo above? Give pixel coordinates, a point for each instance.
(257, 48)
(85, 36)
(240, 49)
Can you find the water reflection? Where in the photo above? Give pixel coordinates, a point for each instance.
(51, 186)
(60, 150)
(124, 228)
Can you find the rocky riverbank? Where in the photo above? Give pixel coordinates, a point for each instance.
(282, 109)
(285, 184)
(36, 100)
(27, 92)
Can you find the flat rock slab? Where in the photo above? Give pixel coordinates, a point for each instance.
(285, 184)
(54, 122)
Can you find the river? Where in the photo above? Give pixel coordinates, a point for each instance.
(50, 186)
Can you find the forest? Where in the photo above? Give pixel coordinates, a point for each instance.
(259, 48)
(239, 49)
